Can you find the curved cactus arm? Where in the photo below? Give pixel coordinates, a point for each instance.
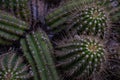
(11, 28)
(39, 47)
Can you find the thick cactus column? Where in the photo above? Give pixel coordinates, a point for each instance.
(37, 49)
(78, 58)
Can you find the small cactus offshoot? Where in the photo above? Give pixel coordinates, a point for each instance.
(13, 68)
(11, 28)
(85, 16)
(80, 57)
(37, 49)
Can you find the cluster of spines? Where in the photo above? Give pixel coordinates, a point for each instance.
(11, 28)
(79, 58)
(37, 49)
(20, 8)
(13, 68)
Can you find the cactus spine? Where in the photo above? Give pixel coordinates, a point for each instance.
(80, 57)
(36, 48)
(11, 28)
(13, 68)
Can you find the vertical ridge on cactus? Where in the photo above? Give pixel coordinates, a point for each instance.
(11, 28)
(39, 49)
(13, 68)
(80, 57)
(30, 59)
(88, 17)
(20, 8)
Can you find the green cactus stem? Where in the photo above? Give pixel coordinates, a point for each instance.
(13, 68)
(4, 42)
(20, 8)
(37, 49)
(80, 57)
(11, 28)
(85, 16)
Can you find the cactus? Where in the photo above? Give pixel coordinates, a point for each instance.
(80, 57)
(4, 42)
(85, 16)
(37, 49)
(11, 28)
(13, 68)
(20, 8)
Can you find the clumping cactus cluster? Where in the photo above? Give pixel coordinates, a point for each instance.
(74, 48)
(80, 59)
(85, 17)
(88, 20)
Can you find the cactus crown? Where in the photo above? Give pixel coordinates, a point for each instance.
(79, 57)
(13, 68)
(91, 20)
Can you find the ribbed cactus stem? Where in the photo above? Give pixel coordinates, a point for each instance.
(39, 48)
(30, 59)
(20, 8)
(79, 57)
(13, 68)
(11, 28)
